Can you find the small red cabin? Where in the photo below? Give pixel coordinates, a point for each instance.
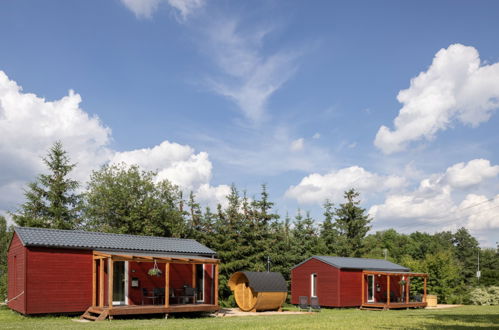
(356, 282)
(67, 271)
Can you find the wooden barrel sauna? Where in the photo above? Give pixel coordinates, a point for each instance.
(258, 291)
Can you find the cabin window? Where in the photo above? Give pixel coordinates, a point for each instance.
(15, 275)
(200, 282)
(313, 285)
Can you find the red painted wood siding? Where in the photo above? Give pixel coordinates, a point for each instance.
(208, 283)
(328, 278)
(16, 261)
(350, 287)
(58, 280)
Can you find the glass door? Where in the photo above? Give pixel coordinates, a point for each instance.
(370, 288)
(200, 282)
(119, 283)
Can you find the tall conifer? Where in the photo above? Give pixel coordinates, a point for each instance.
(51, 200)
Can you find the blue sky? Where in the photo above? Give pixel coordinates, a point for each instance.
(293, 94)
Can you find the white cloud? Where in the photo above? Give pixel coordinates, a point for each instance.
(481, 213)
(297, 145)
(142, 8)
(316, 136)
(213, 195)
(249, 77)
(146, 8)
(186, 7)
(441, 202)
(29, 125)
(463, 175)
(454, 88)
(316, 188)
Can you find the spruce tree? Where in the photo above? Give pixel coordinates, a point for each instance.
(329, 234)
(352, 223)
(52, 201)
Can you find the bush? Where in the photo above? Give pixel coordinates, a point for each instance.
(485, 296)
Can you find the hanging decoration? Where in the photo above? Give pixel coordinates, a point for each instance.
(155, 271)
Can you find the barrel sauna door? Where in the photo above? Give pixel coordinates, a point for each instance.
(245, 297)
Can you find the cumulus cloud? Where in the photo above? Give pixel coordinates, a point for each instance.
(248, 76)
(463, 175)
(146, 8)
(442, 201)
(29, 125)
(316, 188)
(481, 213)
(297, 144)
(172, 161)
(455, 88)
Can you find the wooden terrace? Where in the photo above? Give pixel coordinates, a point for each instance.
(103, 305)
(391, 290)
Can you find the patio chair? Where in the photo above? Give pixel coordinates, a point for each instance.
(148, 295)
(314, 304)
(190, 293)
(160, 293)
(303, 303)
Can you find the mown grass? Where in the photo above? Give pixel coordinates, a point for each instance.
(466, 317)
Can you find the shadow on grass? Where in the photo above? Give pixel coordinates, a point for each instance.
(474, 321)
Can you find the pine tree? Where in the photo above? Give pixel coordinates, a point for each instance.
(304, 237)
(51, 200)
(329, 234)
(352, 223)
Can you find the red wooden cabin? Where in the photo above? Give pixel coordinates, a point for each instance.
(356, 282)
(68, 271)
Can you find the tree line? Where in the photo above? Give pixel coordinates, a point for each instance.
(247, 234)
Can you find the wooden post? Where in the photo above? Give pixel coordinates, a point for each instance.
(363, 283)
(193, 275)
(94, 284)
(101, 282)
(407, 289)
(110, 282)
(388, 290)
(216, 285)
(167, 285)
(424, 294)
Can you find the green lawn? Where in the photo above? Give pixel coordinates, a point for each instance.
(472, 317)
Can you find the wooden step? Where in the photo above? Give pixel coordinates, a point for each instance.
(90, 317)
(95, 314)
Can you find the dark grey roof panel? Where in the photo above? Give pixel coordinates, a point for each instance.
(79, 239)
(266, 281)
(359, 263)
(136, 253)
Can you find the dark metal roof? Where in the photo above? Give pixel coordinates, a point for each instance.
(151, 254)
(359, 263)
(266, 281)
(79, 239)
